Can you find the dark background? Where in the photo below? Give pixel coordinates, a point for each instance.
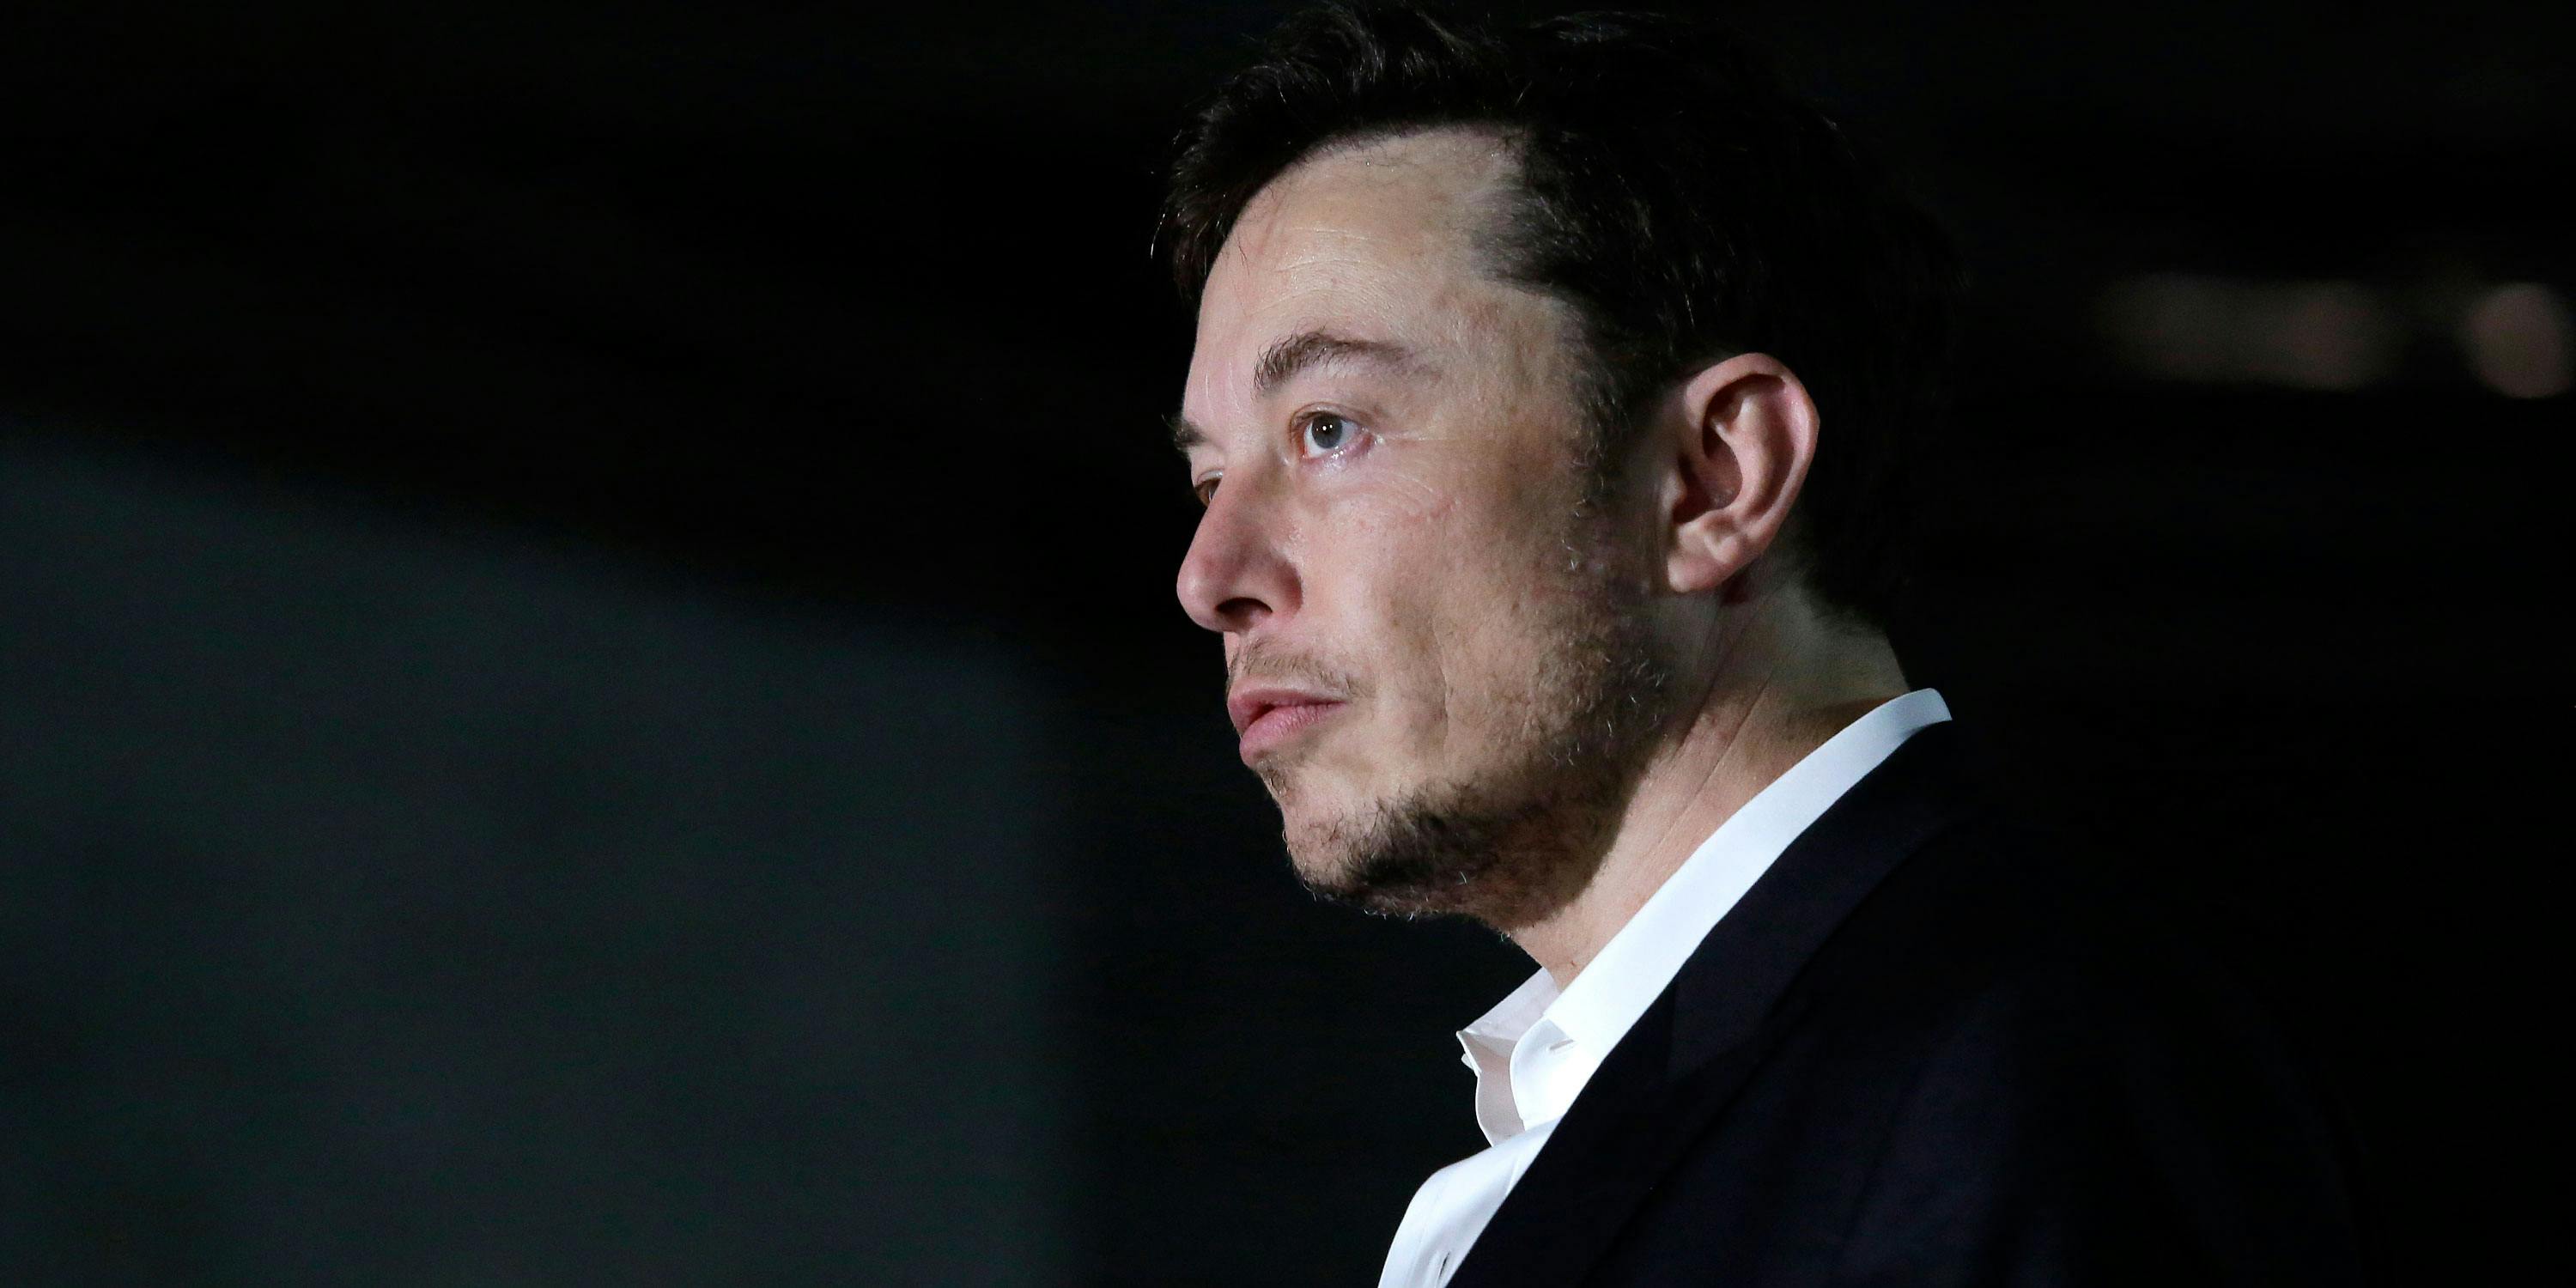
(591, 691)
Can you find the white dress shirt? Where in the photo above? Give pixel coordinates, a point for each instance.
(1534, 1051)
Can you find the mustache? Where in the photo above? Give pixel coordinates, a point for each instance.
(1268, 664)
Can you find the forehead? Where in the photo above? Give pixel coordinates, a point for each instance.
(1380, 238)
(1420, 194)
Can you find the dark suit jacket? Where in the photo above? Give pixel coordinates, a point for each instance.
(1914, 1054)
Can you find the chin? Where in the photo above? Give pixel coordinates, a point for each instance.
(1508, 847)
(1322, 829)
(1309, 795)
(1339, 848)
(1319, 869)
(1317, 844)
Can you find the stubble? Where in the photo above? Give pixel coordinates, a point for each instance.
(1523, 837)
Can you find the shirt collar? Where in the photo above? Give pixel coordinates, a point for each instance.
(1536, 1048)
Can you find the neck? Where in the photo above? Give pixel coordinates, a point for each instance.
(1784, 684)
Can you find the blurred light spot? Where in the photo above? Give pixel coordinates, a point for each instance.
(2310, 335)
(2518, 338)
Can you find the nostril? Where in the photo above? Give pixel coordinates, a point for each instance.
(1242, 612)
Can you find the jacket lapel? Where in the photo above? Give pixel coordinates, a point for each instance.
(1691, 1050)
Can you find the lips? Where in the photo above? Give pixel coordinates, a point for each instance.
(1266, 715)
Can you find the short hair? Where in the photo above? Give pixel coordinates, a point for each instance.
(1672, 191)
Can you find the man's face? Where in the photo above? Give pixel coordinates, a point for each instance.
(1435, 657)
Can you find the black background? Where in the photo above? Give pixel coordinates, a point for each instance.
(593, 691)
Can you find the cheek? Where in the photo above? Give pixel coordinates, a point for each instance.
(1385, 595)
(1372, 560)
(1439, 604)
(1479, 599)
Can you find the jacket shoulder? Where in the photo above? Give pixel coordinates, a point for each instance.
(2049, 1083)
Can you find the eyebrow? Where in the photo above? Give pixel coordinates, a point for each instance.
(1287, 358)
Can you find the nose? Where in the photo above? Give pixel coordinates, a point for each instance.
(1235, 576)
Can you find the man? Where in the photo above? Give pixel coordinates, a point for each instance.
(1547, 399)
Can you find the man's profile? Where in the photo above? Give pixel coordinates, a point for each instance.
(1550, 392)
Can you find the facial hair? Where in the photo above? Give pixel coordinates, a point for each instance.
(1520, 840)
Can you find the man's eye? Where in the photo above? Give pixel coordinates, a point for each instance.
(1205, 491)
(1326, 433)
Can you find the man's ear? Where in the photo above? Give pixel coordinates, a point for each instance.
(1740, 449)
